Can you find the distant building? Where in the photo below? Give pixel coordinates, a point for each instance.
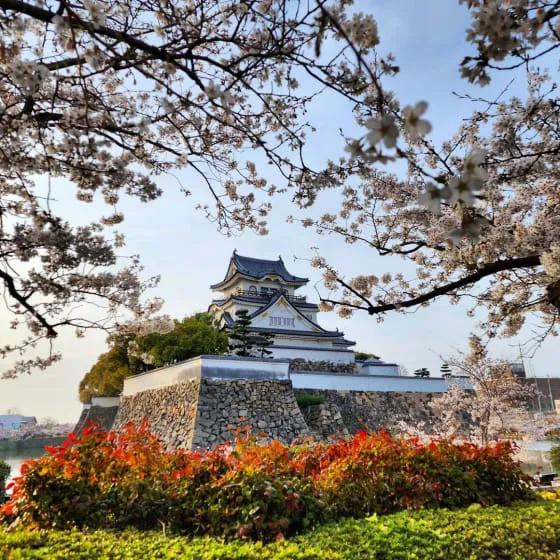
(16, 421)
(518, 369)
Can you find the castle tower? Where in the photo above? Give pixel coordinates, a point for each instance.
(266, 290)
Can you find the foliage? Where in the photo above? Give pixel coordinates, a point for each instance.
(494, 533)
(109, 96)
(422, 372)
(190, 337)
(550, 494)
(263, 341)
(363, 356)
(307, 399)
(193, 336)
(4, 474)
(110, 480)
(106, 376)
(242, 341)
(495, 404)
(477, 214)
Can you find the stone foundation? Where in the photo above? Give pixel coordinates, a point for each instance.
(102, 411)
(325, 421)
(204, 413)
(375, 411)
(170, 412)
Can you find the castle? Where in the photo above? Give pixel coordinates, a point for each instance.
(200, 402)
(267, 291)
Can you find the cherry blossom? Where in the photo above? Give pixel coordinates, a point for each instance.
(110, 97)
(415, 125)
(382, 129)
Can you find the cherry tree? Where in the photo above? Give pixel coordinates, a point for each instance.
(110, 96)
(476, 218)
(484, 402)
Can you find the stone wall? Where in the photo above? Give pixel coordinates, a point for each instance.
(300, 364)
(268, 408)
(374, 411)
(103, 416)
(325, 421)
(170, 412)
(204, 413)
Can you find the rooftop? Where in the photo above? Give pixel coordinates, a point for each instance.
(258, 269)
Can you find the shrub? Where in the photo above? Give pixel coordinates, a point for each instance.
(4, 474)
(494, 533)
(379, 474)
(306, 399)
(110, 480)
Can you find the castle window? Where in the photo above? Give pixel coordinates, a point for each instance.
(282, 321)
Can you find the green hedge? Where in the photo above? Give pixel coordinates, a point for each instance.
(307, 399)
(523, 532)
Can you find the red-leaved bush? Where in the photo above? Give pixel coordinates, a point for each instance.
(127, 479)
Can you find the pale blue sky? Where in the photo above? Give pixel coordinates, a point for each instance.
(175, 241)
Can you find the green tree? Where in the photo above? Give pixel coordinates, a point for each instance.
(4, 474)
(263, 341)
(242, 342)
(363, 356)
(445, 370)
(193, 336)
(105, 378)
(422, 372)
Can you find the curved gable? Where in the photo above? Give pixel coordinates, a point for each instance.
(280, 313)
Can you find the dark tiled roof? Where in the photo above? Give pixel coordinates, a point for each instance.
(312, 334)
(345, 342)
(303, 304)
(259, 268)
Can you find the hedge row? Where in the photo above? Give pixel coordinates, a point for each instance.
(116, 481)
(524, 532)
(127, 480)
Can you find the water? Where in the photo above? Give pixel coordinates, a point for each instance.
(16, 458)
(535, 457)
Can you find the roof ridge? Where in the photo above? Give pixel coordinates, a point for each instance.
(257, 259)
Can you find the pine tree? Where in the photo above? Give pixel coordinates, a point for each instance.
(422, 372)
(445, 370)
(263, 341)
(242, 343)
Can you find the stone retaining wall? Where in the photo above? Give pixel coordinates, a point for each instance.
(325, 421)
(268, 408)
(204, 413)
(170, 412)
(101, 415)
(374, 411)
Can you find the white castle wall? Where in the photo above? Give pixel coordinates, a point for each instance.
(207, 367)
(311, 353)
(370, 383)
(375, 367)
